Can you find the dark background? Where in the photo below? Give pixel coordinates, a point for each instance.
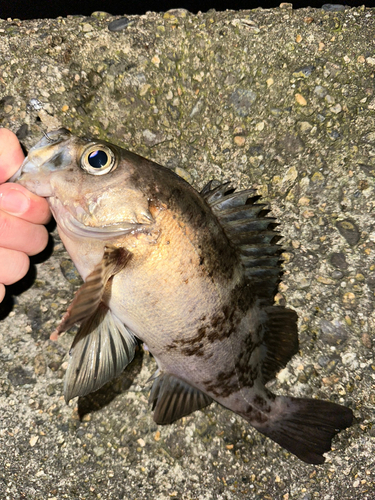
(26, 9)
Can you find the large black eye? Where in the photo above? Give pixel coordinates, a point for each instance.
(98, 159)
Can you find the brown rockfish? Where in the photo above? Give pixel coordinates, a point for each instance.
(192, 275)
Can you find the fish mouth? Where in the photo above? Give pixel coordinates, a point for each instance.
(72, 226)
(16, 175)
(102, 232)
(42, 160)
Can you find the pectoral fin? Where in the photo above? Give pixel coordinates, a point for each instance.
(89, 296)
(101, 350)
(172, 398)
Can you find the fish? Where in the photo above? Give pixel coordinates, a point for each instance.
(191, 275)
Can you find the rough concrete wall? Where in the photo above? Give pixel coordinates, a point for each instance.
(278, 99)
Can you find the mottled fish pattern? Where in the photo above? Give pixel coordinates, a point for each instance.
(192, 275)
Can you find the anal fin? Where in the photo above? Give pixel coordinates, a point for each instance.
(101, 350)
(280, 340)
(89, 296)
(172, 398)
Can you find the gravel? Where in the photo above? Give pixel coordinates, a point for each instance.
(280, 100)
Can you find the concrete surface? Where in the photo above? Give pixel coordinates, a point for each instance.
(278, 99)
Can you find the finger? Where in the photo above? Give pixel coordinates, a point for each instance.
(17, 234)
(17, 200)
(11, 154)
(2, 292)
(13, 265)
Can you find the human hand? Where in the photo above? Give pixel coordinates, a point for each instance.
(22, 215)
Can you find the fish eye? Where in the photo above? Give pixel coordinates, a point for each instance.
(98, 160)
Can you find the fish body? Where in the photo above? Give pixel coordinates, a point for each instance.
(192, 275)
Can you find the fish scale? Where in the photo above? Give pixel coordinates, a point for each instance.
(192, 275)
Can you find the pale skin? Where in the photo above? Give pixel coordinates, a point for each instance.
(22, 215)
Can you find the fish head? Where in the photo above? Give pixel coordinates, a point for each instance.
(89, 184)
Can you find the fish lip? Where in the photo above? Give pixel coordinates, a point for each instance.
(25, 177)
(50, 138)
(112, 230)
(99, 232)
(21, 169)
(16, 175)
(72, 226)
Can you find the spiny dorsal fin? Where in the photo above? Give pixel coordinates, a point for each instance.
(246, 224)
(89, 296)
(101, 350)
(280, 341)
(172, 398)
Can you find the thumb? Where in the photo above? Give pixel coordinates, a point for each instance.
(11, 154)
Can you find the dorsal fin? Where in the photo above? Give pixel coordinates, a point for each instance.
(280, 340)
(246, 224)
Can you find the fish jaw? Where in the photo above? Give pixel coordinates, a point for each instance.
(47, 156)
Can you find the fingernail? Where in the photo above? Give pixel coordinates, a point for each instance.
(14, 202)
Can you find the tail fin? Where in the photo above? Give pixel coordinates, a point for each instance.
(305, 427)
